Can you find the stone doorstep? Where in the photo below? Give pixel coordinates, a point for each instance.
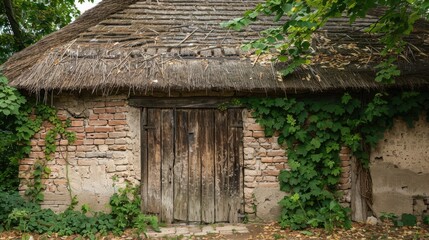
(197, 230)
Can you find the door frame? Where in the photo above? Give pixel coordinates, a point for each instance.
(182, 103)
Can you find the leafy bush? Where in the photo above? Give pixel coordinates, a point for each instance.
(426, 220)
(18, 214)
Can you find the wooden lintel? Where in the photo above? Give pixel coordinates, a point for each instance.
(188, 102)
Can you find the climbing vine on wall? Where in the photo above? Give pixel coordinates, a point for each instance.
(313, 131)
(20, 120)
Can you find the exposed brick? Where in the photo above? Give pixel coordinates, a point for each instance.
(274, 153)
(34, 142)
(345, 163)
(97, 135)
(118, 147)
(121, 109)
(99, 141)
(258, 134)
(24, 167)
(99, 129)
(255, 127)
(80, 136)
(62, 117)
(345, 158)
(76, 129)
(117, 134)
(89, 129)
(111, 110)
(267, 159)
(71, 148)
(117, 122)
(78, 142)
(105, 116)
(85, 148)
(271, 172)
(110, 141)
(279, 159)
(99, 110)
(120, 128)
(78, 123)
(120, 116)
(93, 117)
(344, 180)
(97, 122)
(88, 141)
(280, 166)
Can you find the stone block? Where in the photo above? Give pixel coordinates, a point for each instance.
(266, 200)
(258, 134)
(276, 153)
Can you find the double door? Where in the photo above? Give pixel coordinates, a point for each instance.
(192, 164)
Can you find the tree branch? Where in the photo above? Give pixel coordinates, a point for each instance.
(17, 33)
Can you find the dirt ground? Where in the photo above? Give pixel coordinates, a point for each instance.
(273, 231)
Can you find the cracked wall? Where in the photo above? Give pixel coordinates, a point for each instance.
(400, 169)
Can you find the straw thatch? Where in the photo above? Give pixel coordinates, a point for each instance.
(178, 45)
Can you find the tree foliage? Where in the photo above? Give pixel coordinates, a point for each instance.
(301, 18)
(24, 22)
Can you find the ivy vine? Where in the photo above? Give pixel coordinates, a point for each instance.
(20, 120)
(314, 130)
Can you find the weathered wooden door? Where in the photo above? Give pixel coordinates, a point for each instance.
(192, 164)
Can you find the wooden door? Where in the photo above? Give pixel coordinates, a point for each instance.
(192, 164)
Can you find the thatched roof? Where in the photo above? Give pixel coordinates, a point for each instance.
(179, 45)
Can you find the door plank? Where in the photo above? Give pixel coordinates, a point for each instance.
(234, 164)
(144, 180)
(221, 166)
(181, 167)
(167, 134)
(154, 161)
(206, 141)
(194, 133)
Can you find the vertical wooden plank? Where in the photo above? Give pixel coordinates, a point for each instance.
(194, 211)
(167, 145)
(221, 166)
(144, 180)
(206, 141)
(154, 161)
(181, 167)
(358, 202)
(235, 154)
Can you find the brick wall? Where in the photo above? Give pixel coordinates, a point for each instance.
(107, 145)
(263, 161)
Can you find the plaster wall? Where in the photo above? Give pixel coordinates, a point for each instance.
(400, 169)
